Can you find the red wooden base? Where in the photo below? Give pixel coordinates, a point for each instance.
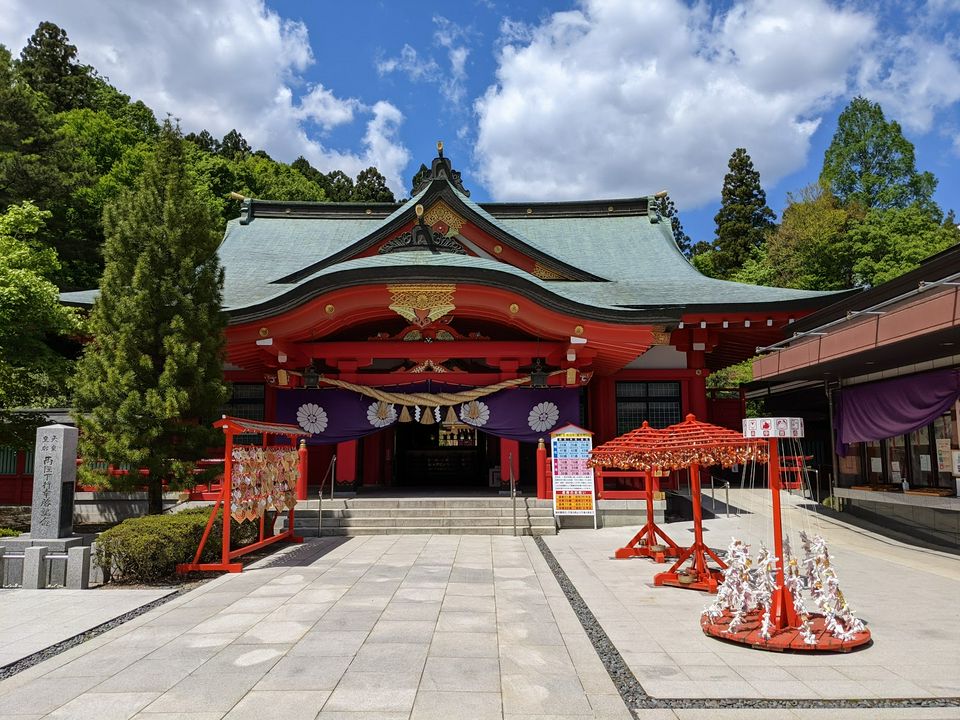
(707, 581)
(209, 567)
(232, 567)
(788, 639)
(698, 575)
(644, 544)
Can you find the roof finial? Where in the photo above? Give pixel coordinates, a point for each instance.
(440, 148)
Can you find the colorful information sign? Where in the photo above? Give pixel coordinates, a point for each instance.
(573, 484)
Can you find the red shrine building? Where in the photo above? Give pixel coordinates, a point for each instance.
(430, 344)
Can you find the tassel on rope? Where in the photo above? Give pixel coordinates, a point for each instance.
(427, 417)
(405, 414)
(451, 416)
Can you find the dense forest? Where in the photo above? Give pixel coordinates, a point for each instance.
(69, 141)
(71, 146)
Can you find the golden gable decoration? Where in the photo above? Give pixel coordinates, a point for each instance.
(421, 304)
(441, 212)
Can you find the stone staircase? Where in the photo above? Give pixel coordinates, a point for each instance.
(417, 516)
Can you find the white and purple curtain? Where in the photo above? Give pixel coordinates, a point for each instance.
(522, 414)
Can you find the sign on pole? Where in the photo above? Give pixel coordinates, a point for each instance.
(573, 484)
(778, 427)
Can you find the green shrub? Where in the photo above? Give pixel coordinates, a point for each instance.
(7, 532)
(148, 549)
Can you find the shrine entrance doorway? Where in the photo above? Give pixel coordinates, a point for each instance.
(439, 458)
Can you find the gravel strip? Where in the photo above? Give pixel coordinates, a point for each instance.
(636, 698)
(48, 652)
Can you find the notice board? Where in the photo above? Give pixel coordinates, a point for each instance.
(573, 484)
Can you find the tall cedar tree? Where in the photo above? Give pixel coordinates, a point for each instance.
(49, 65)
(371, 186)
(870, 163)
(666, 208)
(151, 379)
(744, 218)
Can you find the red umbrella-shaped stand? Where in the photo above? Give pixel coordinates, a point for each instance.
(629, 452)
(692, 444)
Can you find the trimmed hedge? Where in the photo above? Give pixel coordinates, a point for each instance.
(8, 532)
(147, 549)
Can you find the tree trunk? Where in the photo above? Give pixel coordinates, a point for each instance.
(155, 494)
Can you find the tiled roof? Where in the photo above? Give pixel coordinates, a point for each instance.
(631, 253)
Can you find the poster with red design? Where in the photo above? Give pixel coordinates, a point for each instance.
(573, 483)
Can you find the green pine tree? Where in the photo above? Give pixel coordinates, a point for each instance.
(870, 163)
(151, 378)
(744, 218)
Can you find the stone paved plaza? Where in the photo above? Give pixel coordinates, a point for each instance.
(31, 620)
(391, 627)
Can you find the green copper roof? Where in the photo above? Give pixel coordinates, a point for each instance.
(628, 257)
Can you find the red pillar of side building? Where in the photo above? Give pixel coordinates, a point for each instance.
(696, 361)
(509, 456)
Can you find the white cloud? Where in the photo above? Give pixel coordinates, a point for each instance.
(419, 68)
(219, 65)
(620, 98)
(411, 64)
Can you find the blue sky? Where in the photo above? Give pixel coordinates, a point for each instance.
(536, 100)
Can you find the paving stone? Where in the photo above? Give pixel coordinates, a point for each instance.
(464, 644)
(461, 675)
(43, 695)
(551, 695)
(469, 603)
(149, 675)
(402, 631)
(466, 622)
(288, 631)
(367, 691)
(411, 611)
(260, 704)
(329, 642)
(390, 657)
(298, 672)
(103, 706)
(446, 705)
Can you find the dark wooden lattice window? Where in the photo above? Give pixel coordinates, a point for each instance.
(656, 402)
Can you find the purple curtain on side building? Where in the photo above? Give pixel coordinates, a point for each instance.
(522, 414)
(878, 410)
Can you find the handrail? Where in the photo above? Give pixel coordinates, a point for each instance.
(513, 492)
(331, 469)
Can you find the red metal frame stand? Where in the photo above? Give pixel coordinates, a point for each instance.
(231, 427)
(702, 577)
(650, 531)
(784, 631)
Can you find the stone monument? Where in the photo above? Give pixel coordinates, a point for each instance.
(54, 481)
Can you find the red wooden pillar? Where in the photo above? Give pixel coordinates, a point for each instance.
(603, 409)
(270, 403)
(346, 462)
(696, 361)
(509, 456)
(541, 470)
(302, 476)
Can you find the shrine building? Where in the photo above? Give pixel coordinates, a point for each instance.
(431, 343)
